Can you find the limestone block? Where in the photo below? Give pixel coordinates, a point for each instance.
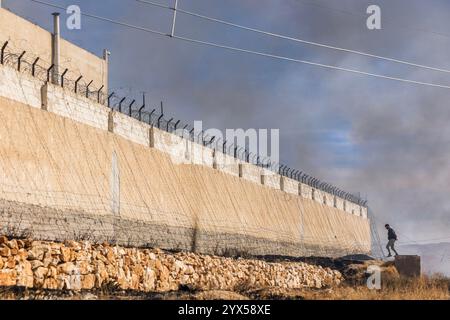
(364, 212)
(290, 186)
(339, 203)
(20, 87)
(131, 129)
(408, 266)
(227, 164)
(270, 178)
(329, 199)
(306, 191)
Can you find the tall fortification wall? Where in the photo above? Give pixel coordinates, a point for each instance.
(72, 168)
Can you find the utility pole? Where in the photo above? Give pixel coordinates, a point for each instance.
(174, 18)
(56, 49)
(106, 55)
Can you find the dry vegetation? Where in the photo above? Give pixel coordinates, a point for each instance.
(393, 288)
(423, 288)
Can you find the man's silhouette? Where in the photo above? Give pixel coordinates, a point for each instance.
(392, 237)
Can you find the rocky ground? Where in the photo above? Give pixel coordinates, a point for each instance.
(82, 270)
(73, 268)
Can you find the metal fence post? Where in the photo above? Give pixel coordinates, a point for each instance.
(62, 77)
(168, 124)
(176, 125)
(130, 107)
(120, 104)
(2, 56)
(76, 83)
(184, 130)
(87, 88)
(19, 60)
(33, 67)
(109, 99)
(159, 121)
(150, 117)
(99, 92)
(140, 112)
(48, 72)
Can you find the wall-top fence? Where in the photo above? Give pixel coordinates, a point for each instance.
(27, 63)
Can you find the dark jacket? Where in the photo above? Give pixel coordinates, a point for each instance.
(391, 234)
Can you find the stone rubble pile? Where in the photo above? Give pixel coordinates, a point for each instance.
(84, 266)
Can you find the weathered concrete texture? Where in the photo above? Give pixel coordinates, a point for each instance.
(364, 212)
(130, 129)
(173, 145)
(353, 208)
(26, 36)
(319, 196)
(306, 191)
(19, 87)
(329, 199)
(74, 163)
(270, 179)
(70, 105)
(50, 224)
(250, 173)
(227, 164)
(408, 266)
(340, 203)
(54, 162)
(200, 155)
(290, 186)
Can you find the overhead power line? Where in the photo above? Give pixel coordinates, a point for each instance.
(275, 35)
(310, 63)
(268, 55)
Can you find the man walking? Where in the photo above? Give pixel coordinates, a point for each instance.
(392, 237)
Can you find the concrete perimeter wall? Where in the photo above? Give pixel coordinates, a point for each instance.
(70, 167)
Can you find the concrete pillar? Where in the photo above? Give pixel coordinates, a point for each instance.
(56, 48)
(111, 121)
(214, 155)
(44, 97)
(151, 135)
